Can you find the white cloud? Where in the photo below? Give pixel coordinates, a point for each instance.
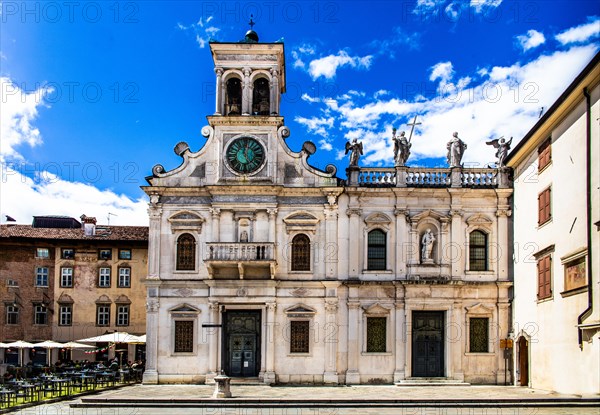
(581, 33)
(19, 110)
(482, 5)
(442, 71)
(328, 65)
(316, 125)
(531, 39)
(203, 33)
(300, 53)
(427, 6)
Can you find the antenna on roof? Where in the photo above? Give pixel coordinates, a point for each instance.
(109, 215)
(541, 112)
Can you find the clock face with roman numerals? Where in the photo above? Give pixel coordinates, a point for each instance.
(245, 155)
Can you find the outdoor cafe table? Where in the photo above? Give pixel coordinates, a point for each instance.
(30, 389)
(60, 383)
(6, 395)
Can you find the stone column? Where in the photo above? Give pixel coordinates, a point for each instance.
(155, 214)
(455, 180)
(401, 249)
(247, 89)
(457, 265)
(330, 250)
(457, 345)
(152, 333)
(218, 92)
(503, 332)
(213, 342)
(502, 244)
(274, 91)
(354, 253)
(272, 225)
(269, 338)
(214, 229)
(400, 340)
(331, 342)
(352, 374)
(401, 173)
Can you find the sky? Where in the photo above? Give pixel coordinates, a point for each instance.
(94, 94)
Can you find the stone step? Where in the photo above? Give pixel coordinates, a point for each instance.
(431, 382)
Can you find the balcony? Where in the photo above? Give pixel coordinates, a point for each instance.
(243, 260)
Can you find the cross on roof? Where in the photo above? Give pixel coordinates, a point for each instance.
(251, 23)
(413, 124)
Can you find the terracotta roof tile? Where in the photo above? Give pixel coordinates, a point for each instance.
(104, 233)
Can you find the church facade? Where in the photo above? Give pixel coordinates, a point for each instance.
(264, 267)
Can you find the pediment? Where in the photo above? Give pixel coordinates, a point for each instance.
(376, 309)
(479, 219)
(65, 299)
(378, 219)
(429, 213)
(478, 309)
(185, 220)
(184, 308)
(103, 299)
(123, 299)
(301, 218)
(300, 309)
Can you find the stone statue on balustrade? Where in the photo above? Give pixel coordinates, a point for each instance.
(427, 242)
(401, 148)
(502, 147)
(456, 149)
(356, 150)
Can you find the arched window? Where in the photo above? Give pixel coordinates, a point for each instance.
(478, 251)
(261, 95)
(376, 254)
(186, 253)
(301, 253)
(233, 100)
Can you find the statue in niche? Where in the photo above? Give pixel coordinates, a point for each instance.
(244, 236)
(356, 150)
(427, 246)
(401, 148)
(456, 149)
(503, 146)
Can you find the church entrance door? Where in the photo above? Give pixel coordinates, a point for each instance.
(241, 354)
(428, 344)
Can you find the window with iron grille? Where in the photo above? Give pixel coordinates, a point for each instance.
(40, 314)
(478, 249)
(103, 315)
(299, 336)
(66, 277)
(123, 315)
(125, 277)
(12, 314)
(478, 335)
(65, 315)
(104, 277)
(301, 253)
(544, 277)
(376, 334)
(186, 253)
(184, 336)
(41, 277)
(376, 254)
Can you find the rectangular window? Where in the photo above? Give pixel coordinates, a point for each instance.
(544, 154)
(41, 277)
(184, 336)
(478, 335)
(105, 254)
(67, 253)
(376, 334)
(575, 274)
(544, 277)
(123, 315)
(66, 277)
(124, 253)
(544, 206)
(299, 336)
(65, 315)
(104, 277)
(12, 314)
(103, 315)
(42, 253)
(124, 277)
(40, 314)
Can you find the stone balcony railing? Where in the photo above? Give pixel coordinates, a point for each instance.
(428, 177)
(240, 251)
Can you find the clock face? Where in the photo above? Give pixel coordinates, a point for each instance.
(245, 155)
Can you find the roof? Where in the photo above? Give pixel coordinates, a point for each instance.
(103, 233)
(574, 87)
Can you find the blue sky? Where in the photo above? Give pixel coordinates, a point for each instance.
(96, 93)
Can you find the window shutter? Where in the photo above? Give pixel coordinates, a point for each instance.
(547, 287)
(548, 212)
(540, 208)
(540, 278)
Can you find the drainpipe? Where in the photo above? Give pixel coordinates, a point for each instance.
(588, 148)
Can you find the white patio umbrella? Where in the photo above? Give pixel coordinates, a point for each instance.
(116, 337)
(3, 345)
(20, 344)
(75, 345)
(49, 344)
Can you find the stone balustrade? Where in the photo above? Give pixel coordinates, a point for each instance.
(479, 177)
(428, 177)
(377, 177)
(240, 251)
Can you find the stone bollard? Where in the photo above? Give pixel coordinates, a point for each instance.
(222, 386)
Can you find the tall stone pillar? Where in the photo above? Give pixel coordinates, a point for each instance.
(502, 244)
(354, 253)
(401, 249)
(152, 333)
(214, 228)
(269, 374)
(247, 91)
(457, 342)
(330, 250)
(331, 342)
(274, 91)
(213, 342)
(400, 340)
(219, 92)
(459, 248)
(352, 374)
(155, 214)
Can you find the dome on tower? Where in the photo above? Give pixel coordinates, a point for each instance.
(251, 36)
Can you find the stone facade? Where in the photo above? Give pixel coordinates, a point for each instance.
(556, 305)
(263, 266)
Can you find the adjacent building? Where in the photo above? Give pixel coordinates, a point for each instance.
(265, 267)
(556, 205)
(64, 280)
